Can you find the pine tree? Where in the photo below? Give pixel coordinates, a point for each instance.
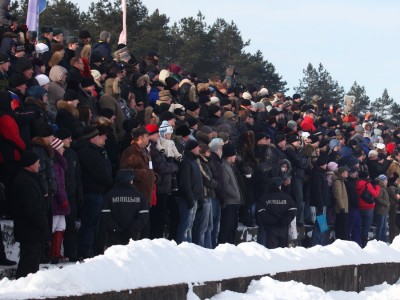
(395, 112)
(319, 82)
(381, 107)
(362, 102)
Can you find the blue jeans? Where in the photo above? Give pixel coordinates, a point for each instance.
(203, 224)
(381, 227)
(186, 219)
(261, 236)
(90, 217)
(355, 225)
(216, 216)
(367, 216)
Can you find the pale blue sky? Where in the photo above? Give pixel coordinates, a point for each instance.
(354, 40)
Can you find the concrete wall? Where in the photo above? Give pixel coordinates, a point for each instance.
(346, 278)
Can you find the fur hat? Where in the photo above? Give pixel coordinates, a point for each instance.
(84, 34)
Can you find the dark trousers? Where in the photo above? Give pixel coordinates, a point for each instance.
(342, 227)
(91, 211)
(30, 254)
(158, 217)
(173, 210)
(70, 241)
(229, 224)
(277, 237)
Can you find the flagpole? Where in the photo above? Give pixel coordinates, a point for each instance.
(123, 35)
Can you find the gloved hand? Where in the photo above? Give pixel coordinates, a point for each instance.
(64, 205)
(77, 224)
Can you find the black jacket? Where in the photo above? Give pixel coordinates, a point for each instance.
(126, 209)
(30, 217)
(275, 209)
(163, 169)
(375, 168)
(73, 180)
(96, 168)
(319, 189)
(298, 160)
(215, 164)
(190, 181)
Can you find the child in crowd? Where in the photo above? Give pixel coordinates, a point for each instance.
(171, 152)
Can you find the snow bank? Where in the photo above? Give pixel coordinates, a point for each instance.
(149, 263)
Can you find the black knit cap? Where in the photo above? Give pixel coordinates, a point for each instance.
(63, 133)
(45, 130)
(192, 121)
(228, 150)
(191, 144)
(46, 29)
(192, 106)
(275, 182)
(183, 130)
(70, 95)
(170, 82)
(166, 116)
(106, 112)
(23, 64)
(4, 58)
(279, 137)
(213, 109)
(84, 34)
(28, 159)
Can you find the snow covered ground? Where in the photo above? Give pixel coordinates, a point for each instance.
(149, 263)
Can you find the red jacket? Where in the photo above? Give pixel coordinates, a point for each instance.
(308, 125)
(374, 190)
(11, 143)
